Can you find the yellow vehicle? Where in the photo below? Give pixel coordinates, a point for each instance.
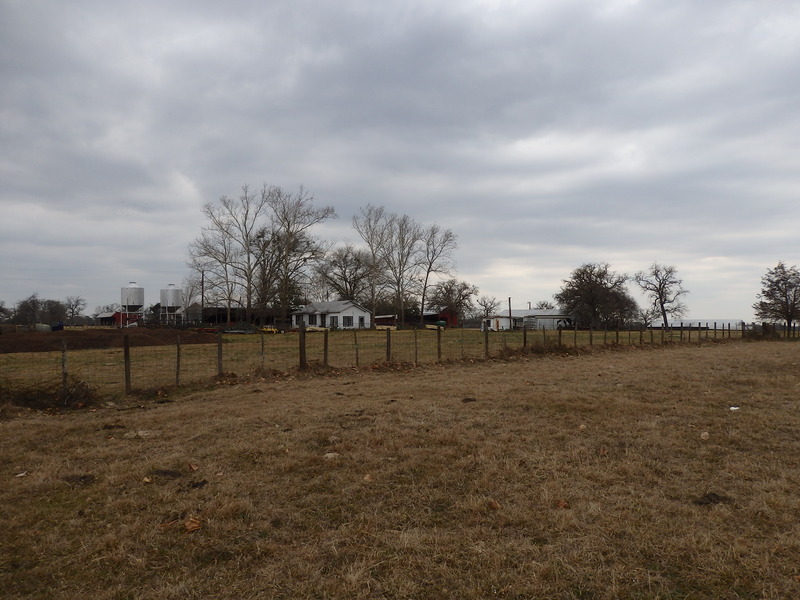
(270, 329)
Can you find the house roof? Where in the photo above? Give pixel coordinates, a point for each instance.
(334, 306)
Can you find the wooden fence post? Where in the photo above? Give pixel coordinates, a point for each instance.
(355, 345)
(591, 336)
(177, 361)
(263, 354)
(64, 377)
(388, 345)
(524, 336)
(325, 349)
(641, 336)
(416, 347)
(438, 344)
(220, 372)
(302, 346)
(126, 353)
(486, 342)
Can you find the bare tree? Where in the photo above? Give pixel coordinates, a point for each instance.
(28, 310)
(436, 257)
(225, 249)
(544, 305)
(454, 297)
(212, 255)
(664, 289)
(293, 215)
(373, 225)
(401, 257)
(74, 306)
(346, 272)
(488, 305)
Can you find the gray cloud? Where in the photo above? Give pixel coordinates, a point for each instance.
(546, 134)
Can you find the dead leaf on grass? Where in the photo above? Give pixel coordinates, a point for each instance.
(193, 467)
(493, 504)
(562, 504)
(192, 524)
(23, 474)
(367, 478)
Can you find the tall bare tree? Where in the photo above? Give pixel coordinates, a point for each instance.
(435, 257)
(453, 296)
(401, 257)
(664, 289)
(212, 255)
(346, 272)
(226, 245)
(74, 306)
(487, 305)
(293, 215)
(374, 226)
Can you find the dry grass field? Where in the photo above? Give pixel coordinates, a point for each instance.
(655, 473)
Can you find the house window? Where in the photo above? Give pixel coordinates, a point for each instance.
(322, 320)
(347, 322)
(312, 319)
(361, 323)
(334, 322)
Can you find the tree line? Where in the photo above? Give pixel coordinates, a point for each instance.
(33, 309)
(259, 253)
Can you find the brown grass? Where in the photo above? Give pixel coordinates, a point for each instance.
(617, 474)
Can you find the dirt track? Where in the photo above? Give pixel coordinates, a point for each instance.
(85, 339)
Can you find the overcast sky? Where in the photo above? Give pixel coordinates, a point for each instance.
(544, 133)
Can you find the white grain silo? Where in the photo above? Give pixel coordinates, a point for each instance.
(171, 303)
(132, 302)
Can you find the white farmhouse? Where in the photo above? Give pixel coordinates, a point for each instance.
(339, 314)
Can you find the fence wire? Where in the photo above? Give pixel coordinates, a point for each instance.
(110, 373)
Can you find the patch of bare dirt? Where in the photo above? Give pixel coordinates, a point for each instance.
(87, 339)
